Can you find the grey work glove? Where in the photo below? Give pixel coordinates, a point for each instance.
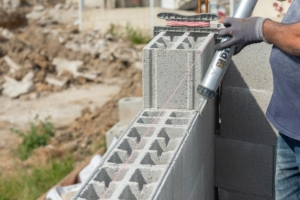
(243, 32)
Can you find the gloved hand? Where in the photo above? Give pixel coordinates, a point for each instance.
(243, 32)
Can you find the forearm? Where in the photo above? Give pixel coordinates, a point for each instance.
(284, 36)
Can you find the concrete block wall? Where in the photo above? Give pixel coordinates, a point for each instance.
(167, 152)
(154, 159)
(245, 148)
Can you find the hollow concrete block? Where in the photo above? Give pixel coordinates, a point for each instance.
(161, 155)
(243, 115)
(129, 107)
(251, 68)
(244, 167)
(173, 59)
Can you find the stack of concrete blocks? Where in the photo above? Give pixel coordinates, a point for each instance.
(129, 107)
(245, 149)
(167, 152)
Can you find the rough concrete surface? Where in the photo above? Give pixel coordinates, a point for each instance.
(167, 151)
(166, 59)
(226, 195)
(144, 149)
(129, 107)
(154, 154)
(244, 167)
(243, 115)
(251, 68)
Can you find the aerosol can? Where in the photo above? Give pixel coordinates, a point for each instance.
(221, 60)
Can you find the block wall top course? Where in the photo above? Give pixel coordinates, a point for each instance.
(141, 156)
(177, 40)
(251, 68)
(174, 65)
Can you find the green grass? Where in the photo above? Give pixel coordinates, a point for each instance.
(38, 135)
(136, 36)
(31, 185)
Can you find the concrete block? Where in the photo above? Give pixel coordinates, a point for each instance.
(156, 159)
(243, 115)
(115, 131)
(129, 107)
(251, 68)
(173, 59)
(244, 167)
(226, 195)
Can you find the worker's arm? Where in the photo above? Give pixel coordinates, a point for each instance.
(284, 36)
(255, 29)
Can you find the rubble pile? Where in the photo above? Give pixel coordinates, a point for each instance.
(46, 53)
(60, 57)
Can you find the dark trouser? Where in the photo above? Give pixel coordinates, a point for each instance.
(287, 181)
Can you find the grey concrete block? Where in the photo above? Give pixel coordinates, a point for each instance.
(115, 131)
(251, 68)
(129, 107)
(244, 167)
(159, 160)
(243, 115)
(226, 195)
(171, 60)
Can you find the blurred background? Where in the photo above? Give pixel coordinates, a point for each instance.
(64, 66)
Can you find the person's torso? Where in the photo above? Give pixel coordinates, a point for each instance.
(284, 108)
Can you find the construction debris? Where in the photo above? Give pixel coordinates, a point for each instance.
(13, 88)
(61, 58)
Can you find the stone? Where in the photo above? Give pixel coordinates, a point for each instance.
(62, 65)
(59, 6)
(56, 81)
(13, 88)
(13, 66)
(6, 33)
(38, 8)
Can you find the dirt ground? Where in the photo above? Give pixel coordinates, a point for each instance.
(83, 109)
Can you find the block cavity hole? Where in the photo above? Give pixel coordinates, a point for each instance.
(149, 120)
(140, 132)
